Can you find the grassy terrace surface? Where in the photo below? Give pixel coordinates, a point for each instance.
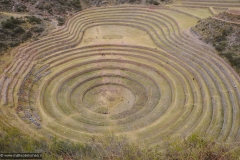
(132, 70)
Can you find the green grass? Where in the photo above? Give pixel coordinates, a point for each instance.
(199, 12)
(111, 146)
(185, 21)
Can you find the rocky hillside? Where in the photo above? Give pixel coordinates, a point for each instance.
(41, 7)
(54, 9)
(63, 7)
(14, 31)
(23, 20)
(97, 3)
(233, 16)
(222, 31)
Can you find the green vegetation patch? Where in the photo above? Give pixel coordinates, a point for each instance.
(33, 20)
(223, 36)
(98, 3)
(58, 7)
(157, 2)
(115, 147)
(14, 31)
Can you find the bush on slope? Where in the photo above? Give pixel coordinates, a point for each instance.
(223, 36)
(112, 147)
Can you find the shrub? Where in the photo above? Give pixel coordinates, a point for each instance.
(16, 20)
(33, 20)
(132, 1)
(11, 23)
(156, 3)
(14, 44)
(8, 25)
(3, 47)
(26, 36)
(19, 30)
(40, 7)
(21, 8)
(5, 2)
(61, 21)
(37, 29)
(76, 4)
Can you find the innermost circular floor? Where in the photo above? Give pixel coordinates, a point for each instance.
(109, 99)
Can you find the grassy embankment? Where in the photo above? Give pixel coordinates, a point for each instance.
(113, 147)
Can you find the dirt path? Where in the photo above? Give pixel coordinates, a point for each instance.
(212, 10)
(232, 22)
(14, 14)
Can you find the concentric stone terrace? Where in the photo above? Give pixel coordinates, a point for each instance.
(130, 70)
